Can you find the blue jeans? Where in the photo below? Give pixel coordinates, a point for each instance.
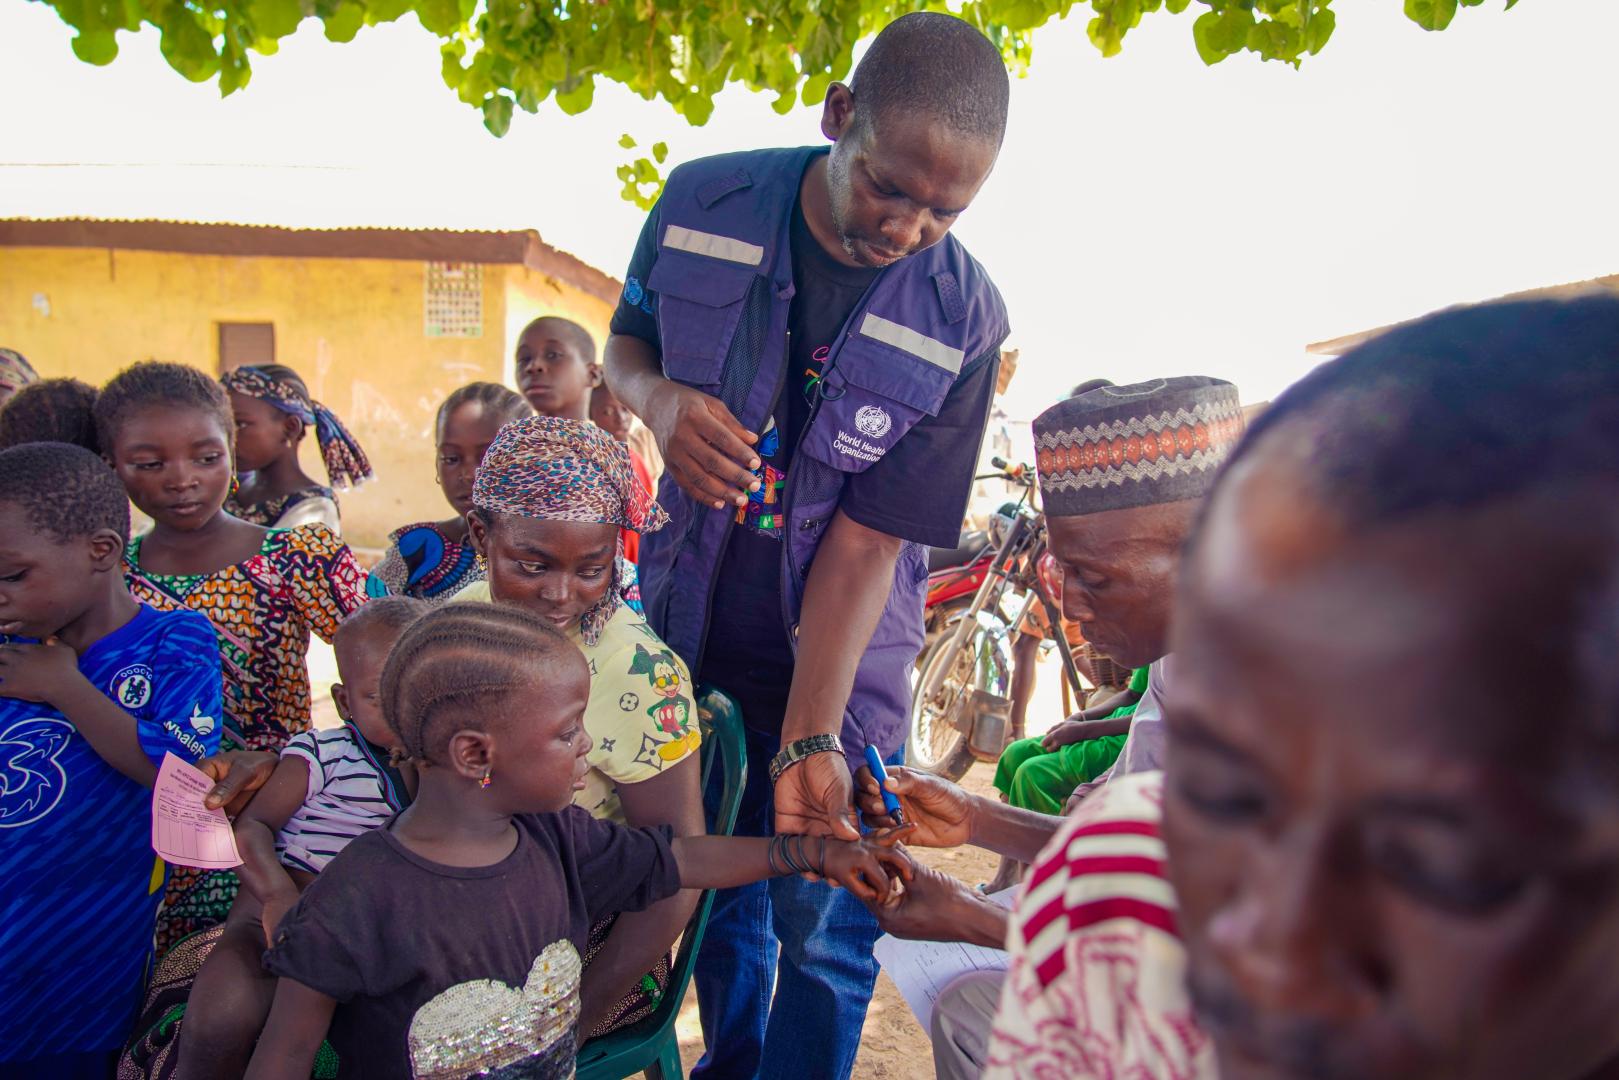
(824, 975)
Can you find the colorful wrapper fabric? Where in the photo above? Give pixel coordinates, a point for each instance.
(15, 373)
(549, 468)
(346, 463)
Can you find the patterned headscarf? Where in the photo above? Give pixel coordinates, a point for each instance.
(346, 463)
(553, 469)
(15, 373)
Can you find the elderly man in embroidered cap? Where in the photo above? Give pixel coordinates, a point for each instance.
(1122, 471)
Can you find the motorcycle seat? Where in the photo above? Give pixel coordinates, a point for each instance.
(973, 543)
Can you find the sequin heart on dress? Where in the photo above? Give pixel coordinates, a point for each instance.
(487, 1028)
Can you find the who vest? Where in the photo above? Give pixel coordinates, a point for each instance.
(723, 281)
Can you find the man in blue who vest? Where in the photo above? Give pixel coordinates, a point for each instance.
(816, 356)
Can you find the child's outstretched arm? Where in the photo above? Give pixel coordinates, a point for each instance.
(292, 1036)
(256, 827)
(864, 867)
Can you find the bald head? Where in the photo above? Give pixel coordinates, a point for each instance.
(934, 66)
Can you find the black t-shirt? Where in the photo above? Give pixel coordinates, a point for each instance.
(447, 970)
(918, 491)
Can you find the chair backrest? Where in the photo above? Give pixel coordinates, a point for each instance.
(724, 747)
(652, 1040)
(724, 742)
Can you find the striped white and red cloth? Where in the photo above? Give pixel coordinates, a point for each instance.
(1097, 980)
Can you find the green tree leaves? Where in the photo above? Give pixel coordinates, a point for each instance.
(643, 182)
(98, 46)
(1285, 30)
(503, 55)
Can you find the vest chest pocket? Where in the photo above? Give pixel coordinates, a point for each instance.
(700, 302)
(872, 396)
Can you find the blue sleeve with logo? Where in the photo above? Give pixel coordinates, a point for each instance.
(183, 715)
(919, 491)
(636, 314)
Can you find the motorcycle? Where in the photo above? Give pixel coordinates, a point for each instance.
(978, 595)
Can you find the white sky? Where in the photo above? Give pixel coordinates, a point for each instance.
(1149, 216)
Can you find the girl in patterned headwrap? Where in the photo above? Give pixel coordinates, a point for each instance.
(552, 501)
(273, 410)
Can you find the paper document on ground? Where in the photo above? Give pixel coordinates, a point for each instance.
(922, 969)
(184, 831)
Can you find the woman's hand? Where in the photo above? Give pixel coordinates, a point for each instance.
(704, 448)
(869, 868)
(1064, 734)
(238, 774)
(944, 815)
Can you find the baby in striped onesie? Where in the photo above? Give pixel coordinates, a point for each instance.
(329, 787)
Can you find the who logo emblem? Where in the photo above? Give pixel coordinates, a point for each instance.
(872, 421)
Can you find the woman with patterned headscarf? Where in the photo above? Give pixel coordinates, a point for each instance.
(273, 411)
(15, 373)
(552, 502)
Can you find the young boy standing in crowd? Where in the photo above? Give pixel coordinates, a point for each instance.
(556, 367)
(95, 689)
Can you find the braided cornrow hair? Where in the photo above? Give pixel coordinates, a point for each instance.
(445, 668)
(500, 401)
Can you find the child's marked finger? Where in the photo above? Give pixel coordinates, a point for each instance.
(892, 835)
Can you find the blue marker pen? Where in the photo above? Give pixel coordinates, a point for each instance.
(890, 801)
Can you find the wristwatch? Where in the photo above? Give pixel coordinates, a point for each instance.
(799, 749)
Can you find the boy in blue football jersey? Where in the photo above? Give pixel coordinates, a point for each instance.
(94, 689)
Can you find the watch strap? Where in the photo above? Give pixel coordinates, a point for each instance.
(799, 749)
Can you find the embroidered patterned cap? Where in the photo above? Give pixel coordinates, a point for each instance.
(1118, 447)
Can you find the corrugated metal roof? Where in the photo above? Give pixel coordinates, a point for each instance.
(513, 247)
(1339, 345)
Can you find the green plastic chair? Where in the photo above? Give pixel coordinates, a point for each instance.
(650, 1045)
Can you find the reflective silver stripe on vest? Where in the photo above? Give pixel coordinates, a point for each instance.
(905, 339)
(716, 247)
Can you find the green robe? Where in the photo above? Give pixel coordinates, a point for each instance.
(1036, 779)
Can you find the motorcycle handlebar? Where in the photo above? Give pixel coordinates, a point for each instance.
(1017, 474)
